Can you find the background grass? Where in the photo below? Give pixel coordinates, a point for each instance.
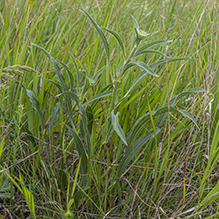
(80, 137)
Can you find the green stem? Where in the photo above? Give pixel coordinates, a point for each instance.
(115, 86)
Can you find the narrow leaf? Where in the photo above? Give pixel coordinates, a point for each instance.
(168, 60)
(72, 95)
(102, 36)
(35, 105)
(80, 149)
(149, 45)
(143, 66)
(98, 96)
(117, 37)
(55, 66)
(133, 149)
(117, 127)
(191, 91)
(151, 51)
(70, 75)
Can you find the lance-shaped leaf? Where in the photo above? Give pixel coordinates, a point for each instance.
(56, 68)
(141, 65)
(53, 118)
(117, 37)
(72, 95)
(173, 101)
(191, 91)
(77, 73)
(35, 105)
(117, 127)
(99, 72)
(56, 84)
(189, 116)
(168, 60)
(151, 51)
(133, 149)
(70, 75)
(99, 96)
(149, 45)
(101, 34)
(81, 151)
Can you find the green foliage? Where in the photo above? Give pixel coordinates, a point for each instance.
(109, 109)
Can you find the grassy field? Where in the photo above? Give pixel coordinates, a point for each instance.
(109, 109)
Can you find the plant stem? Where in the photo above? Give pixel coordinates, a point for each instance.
(115, 85)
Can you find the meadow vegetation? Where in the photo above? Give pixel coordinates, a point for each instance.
(109, 109)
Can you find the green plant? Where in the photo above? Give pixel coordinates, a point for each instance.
(109, 124)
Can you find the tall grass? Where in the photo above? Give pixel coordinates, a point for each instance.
(109, 109)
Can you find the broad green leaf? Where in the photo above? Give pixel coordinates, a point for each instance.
(117, 37)
(53, 118)
(133, 149)
(175, 99)
(140, 124)
(141, 65)
(102, 36)
(87, 85)
(117, 127)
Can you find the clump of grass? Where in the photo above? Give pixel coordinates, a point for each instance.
(106, 114)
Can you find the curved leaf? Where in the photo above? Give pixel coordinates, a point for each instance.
(98, 96)
(36, 106)
(70, 75)
(151, 51)
(101, 34)
(149, 45)
(55, 66)
(55, 83)
(175, 99)
(72, 95)
(141, 65)
(168, 60)
(189, 116)
(117, 37)
(80, 149)
(132, 150)
(191, 91)
(117, 127)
